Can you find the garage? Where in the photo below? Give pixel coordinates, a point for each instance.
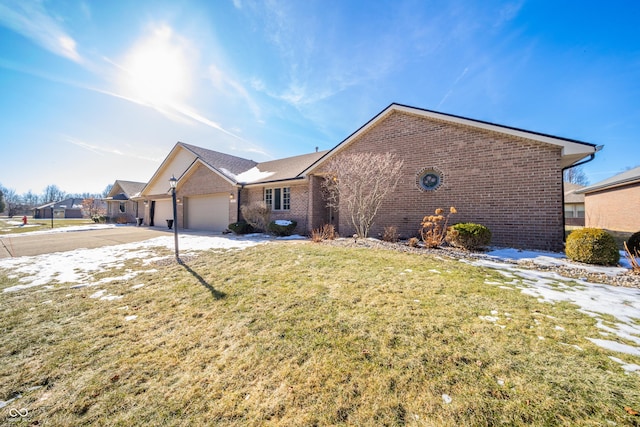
(163, 210)
(208, 212)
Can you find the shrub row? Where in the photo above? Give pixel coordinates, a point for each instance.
(277, 228)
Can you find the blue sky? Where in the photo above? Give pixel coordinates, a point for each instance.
(94, 91)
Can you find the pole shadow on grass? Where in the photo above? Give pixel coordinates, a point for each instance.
(214, 292)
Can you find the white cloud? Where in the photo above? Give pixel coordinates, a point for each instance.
(32, 21)
(225, 84)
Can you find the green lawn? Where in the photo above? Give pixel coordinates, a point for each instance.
(302, 334)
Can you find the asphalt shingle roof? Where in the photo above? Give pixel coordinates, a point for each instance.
(226, 164)
(626, 177)
(131, 188)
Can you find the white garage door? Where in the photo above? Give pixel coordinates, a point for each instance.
(208, 212)
(163, 212)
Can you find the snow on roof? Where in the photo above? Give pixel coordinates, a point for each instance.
(253, 175)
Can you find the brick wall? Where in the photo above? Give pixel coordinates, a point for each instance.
(299, 202)
(203, 181)
(512, 185)
(616, 209)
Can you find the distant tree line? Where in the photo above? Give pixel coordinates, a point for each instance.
(12, 203)
(576, 175)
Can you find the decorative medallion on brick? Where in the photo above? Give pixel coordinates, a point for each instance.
(429, 179)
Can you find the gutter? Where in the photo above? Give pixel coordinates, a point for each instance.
(297, 178)
(591, 157)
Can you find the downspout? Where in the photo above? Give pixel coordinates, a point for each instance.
(591, 157)
(238, 201)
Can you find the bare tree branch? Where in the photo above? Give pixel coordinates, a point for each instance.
(358, 183)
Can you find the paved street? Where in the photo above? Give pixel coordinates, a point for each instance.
(35, 244)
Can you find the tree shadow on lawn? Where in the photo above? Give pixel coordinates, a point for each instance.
(214, 292)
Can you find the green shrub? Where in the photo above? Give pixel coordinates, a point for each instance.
(592, 246)
(241, 227)
(468, 236)
(99, 219)
(282, 227)
(634, 243)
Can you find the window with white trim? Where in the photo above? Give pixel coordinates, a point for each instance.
(278, 198)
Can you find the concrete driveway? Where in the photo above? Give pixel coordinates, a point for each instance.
(27, 244)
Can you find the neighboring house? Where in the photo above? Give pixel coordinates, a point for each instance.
(573, 205)
(614, 203)
(212, 186)
(121, 205)
(506, 178)
(68, 208)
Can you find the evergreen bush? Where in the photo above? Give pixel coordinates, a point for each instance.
(241, 227)
(592, 246)
(468, 236)
(634, 243)
(282, 227)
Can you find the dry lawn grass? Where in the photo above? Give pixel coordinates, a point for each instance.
(7, 226)
(306, 335)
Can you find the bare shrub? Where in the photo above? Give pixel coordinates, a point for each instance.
(358, 183)
(413, 242)
(634, 258)
(326, 232)
(257, 214)
(433, 228)
(391, 234)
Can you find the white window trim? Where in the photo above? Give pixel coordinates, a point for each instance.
(272, 197)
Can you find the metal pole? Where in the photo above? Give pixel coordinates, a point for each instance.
(175, 222)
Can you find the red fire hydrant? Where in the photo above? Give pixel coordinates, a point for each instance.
(24, 220)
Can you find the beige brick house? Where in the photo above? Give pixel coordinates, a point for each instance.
(122, 203)
(505, 178)
(573, 204)
(614, 203)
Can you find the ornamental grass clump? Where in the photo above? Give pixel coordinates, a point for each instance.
(433, 228)
(390, 234)
(326, 232)
(632, 249)
(257, 214)
(592, 246)
(468, 236)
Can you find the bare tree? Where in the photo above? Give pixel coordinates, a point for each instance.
(106, 191)
(12, 201)
(53, 194)
(358, 183)
(576, 175)
(2, 204)
(93, 207)
(30, 199)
